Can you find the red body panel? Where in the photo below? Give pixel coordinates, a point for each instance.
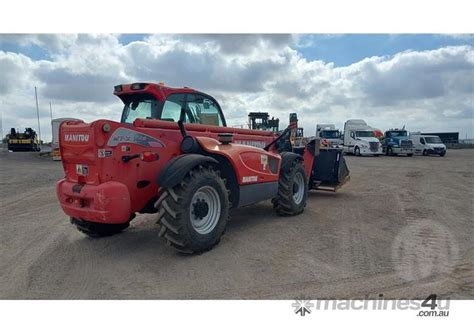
(107, 203)
(255, 138)
(251, 165)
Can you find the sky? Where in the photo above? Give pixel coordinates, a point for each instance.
(424, 82)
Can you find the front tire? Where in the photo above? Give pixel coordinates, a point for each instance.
(98, 230)
(389, 151)
(292, 190)
(425, 152)
(357, 151)
(409, 154)
(194, 214)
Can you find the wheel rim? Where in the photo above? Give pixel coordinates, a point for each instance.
(205, 210)
(298, 188)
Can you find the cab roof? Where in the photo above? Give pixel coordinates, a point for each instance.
(159, 90)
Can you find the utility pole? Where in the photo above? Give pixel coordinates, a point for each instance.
(50, 111)
(38, 115)
(1, 125)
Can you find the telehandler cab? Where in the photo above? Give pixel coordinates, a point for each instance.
(173, 154)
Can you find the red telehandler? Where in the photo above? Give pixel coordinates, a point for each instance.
(173, 154)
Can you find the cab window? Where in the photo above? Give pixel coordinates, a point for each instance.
(196, 108)
(139, 106)
(172, 107)
(422, 140)
(202, 110)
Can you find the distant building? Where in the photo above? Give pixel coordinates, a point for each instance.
(446, 137)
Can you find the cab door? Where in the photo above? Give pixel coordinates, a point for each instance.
(352, 139)
(417, 144)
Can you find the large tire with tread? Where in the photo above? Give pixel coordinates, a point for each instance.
(389, 151)
(98, 230)
(357, 151)
(292, 190)
(193, 215)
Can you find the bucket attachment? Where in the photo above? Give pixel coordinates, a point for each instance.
(329, 170)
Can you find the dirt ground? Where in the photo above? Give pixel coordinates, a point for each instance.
(402, 228)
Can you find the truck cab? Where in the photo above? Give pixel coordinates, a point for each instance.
(330, 134)
(428, 144)
(396, 141)
(359, 139)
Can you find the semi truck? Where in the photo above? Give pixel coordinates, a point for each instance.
(329, 133)
(359, 139)
(396, 141)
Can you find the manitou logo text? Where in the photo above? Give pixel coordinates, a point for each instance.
(76, 137)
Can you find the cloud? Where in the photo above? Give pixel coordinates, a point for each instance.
(64, 85)
(51, 42)
(233, 44)
(428, 90)
(15, 70)
(416, 75)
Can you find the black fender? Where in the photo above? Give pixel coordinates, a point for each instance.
(287, 159)
(177, 168)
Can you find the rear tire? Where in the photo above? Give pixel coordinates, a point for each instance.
(292, 190)
(98, 230)
(193, 215)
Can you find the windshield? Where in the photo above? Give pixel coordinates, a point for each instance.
(330, 134)
(364, 133)
(433, 140)
(397, 134)
(139, 106)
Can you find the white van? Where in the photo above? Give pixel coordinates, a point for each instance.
(359, 139)
(428, 144)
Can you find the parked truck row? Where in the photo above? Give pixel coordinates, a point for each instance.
(359, 138)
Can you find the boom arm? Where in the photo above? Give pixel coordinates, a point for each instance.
(284, 138)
